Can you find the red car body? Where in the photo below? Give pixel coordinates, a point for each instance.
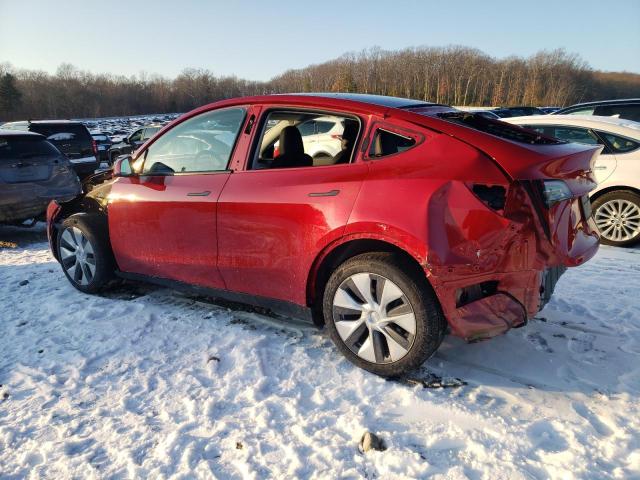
(273, 233)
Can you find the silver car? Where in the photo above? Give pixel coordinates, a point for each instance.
(32, 173)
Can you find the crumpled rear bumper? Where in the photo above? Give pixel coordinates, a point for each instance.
(490, 270)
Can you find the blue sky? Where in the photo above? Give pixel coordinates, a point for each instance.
(257, 40)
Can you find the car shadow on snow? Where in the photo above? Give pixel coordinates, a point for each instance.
(21, 237)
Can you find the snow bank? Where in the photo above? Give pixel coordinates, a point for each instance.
(145, 382)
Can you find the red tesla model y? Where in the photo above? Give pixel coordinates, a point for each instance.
(427, 221)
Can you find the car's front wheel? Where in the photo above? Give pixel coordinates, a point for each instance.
(84, 253)
(381, 314)
(617, 216)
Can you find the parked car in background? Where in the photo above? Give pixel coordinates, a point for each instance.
(427, 219)
(616, 200)
(71, 138)
(549, 110)
(103, 143)
(132, 142)
(628, 108)
(505, 112)
(485, 114)
(321, 137)
(32, 173)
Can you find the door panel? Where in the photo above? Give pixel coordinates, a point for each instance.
(165, 226)
(273, 223)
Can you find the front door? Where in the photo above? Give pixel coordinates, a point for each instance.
(162, 221)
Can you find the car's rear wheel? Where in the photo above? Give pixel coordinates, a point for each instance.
(381, 314)
(85, 254)
(617, 216)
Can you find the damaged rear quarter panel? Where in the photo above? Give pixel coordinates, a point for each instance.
(458, 240)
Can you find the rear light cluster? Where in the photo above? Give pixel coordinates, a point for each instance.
(94, 146)
(554, 191)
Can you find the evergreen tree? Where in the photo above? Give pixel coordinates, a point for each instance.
(10, 96)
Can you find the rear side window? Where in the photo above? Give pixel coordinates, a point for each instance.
(324, 127)
(620, 144)
(62, 132)
(389, 143)
(582, 111)
(23, 147)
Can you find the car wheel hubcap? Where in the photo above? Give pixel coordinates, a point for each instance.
(77, 257)
(374, 318)
(618, 220)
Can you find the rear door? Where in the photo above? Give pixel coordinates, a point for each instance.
(162, 222)
(272, 223)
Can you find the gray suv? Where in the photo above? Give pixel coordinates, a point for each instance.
(32, 173)
(70, 137)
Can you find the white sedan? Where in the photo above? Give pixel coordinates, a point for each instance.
(616, 200)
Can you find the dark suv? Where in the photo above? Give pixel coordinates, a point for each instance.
(133, 141)
(628, 108)
(32, 173)
(71, 138)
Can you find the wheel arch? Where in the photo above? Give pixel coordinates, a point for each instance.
(613, 188)
(85, 206)
(337, 253)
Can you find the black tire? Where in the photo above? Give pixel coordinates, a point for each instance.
(97, 236)
(430, 324)
(601, 213)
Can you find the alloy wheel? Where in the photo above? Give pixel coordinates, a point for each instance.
(374, 318)
(618, 220)
(77, 256)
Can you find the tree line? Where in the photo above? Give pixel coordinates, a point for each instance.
(454, 75)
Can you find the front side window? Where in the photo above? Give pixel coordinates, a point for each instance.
(136, 137)
(578, 135)
(200, 144)
(150, 132)
(388, 143)
(291, 139)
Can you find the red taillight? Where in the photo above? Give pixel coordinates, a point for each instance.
(94, 145)
(337, 137)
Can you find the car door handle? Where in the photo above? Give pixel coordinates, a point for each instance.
(330, 193)
(600, 167)
(206, 193)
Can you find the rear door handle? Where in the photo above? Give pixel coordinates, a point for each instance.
(330, 193)
(206, 193)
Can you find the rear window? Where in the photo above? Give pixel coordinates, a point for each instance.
(100, 138)
(62, 132)
(24, 147)
(497, 128)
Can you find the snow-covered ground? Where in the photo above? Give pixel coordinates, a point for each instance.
(148, 383)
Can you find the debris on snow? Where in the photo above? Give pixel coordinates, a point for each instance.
(370, 441)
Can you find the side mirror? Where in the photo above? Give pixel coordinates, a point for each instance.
(122, 167)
